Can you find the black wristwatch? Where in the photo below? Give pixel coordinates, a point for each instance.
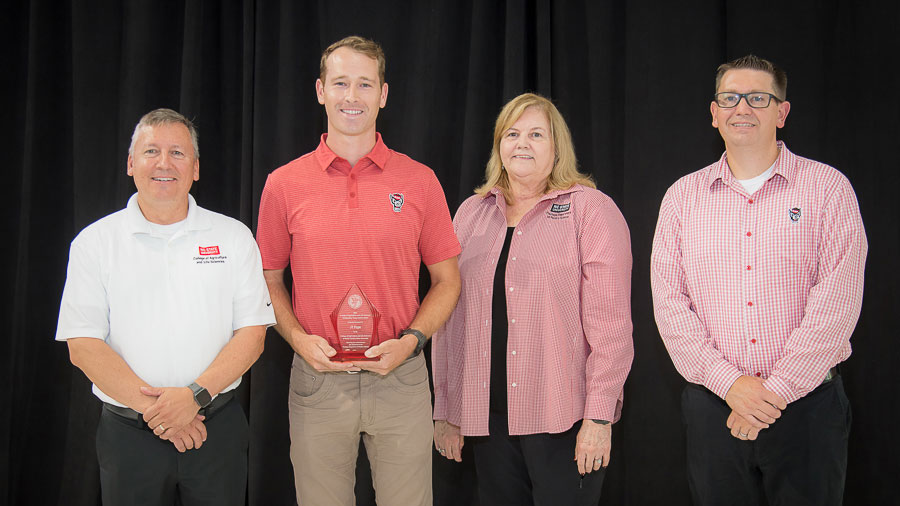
(201, 396)
(419, 335)
(601, 422)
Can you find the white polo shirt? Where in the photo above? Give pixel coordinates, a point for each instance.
(167, 305)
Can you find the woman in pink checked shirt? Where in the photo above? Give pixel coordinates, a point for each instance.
(533, 359)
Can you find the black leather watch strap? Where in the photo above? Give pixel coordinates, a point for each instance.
(419, 336)
(601, 422)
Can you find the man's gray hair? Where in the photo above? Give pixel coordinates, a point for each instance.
(165, 116)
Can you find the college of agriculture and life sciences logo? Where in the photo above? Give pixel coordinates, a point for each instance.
(794, 213)
(397, 201)
(209, 255)
(559, 211)
(354, 301)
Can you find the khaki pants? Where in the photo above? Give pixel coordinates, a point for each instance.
(329, 412)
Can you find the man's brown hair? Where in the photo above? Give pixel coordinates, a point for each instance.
(359, 44)
(751, 62)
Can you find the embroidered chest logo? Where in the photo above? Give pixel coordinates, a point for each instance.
(794, 213)
(209, 255)
(559, 211)
(397, 201)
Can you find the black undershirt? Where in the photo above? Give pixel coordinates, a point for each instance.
(499, 331)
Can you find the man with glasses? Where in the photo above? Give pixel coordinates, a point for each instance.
(757, 277)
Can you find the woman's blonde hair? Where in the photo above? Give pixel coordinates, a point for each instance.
(564, 173)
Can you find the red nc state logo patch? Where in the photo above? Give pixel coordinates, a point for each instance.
(397, 201)
(209, 250)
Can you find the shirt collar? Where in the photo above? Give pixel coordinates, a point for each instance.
(785, 166)
(379, 154)
(498, 193)
(138, 224)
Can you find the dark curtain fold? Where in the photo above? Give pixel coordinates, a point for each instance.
(633, 79)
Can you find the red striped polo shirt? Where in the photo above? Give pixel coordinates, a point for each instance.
(372, 224)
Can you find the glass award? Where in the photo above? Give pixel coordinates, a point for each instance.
(355, 322)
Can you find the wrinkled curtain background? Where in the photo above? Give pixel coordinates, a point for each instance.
(633, 79)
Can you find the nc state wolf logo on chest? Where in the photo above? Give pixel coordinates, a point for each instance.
(397, 201)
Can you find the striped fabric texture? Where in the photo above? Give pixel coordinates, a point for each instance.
(768, 284)
(568, 296)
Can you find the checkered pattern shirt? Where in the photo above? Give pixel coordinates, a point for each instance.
(768, 284)
(568, 297)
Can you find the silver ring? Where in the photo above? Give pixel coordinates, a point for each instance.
(744, 435)
(599, 460)
(442, 451)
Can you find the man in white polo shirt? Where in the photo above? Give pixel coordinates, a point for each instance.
(165, 308)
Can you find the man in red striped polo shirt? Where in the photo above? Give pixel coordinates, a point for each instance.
(757, 277)
(355, 215)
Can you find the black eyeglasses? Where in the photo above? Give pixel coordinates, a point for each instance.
(756, 100)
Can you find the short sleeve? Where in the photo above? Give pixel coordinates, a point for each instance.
(252, 305)
(438, 241)
(84, 309)
(272, 233)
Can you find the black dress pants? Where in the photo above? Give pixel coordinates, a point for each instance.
(537, 469)
(801, 459)
(138, 468)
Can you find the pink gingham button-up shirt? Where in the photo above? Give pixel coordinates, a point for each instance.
(766, 285)
(568, 297)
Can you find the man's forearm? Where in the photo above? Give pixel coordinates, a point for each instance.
(234, 360)
(287, 322)
(109, 371)
(440, 299)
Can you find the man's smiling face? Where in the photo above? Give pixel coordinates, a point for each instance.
(163, 165)
(351, 93)
(744, 126)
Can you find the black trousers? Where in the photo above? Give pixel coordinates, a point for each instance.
(138, 468)
(537, 469)
(801, 459)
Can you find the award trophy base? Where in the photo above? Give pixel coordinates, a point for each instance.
(353, 356)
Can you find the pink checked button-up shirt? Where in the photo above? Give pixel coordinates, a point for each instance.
(768, 284)
(568, 293)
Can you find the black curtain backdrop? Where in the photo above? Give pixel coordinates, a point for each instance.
(633, 79)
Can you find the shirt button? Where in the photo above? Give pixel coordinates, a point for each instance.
(518, 232)
(749, 234)
(512, 321)
(750, 201)
(352, 194)
(514, 352)
(483, 353)
(487, 323)
(510, 289)
(753, 341)
(484, 384)
(353, 176)
(749, 303)
(759, 374)
(514, 259)
(748, 267)
(515, 385)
